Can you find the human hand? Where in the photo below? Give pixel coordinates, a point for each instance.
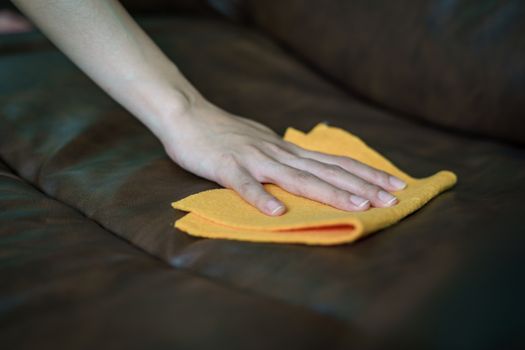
(240, 154)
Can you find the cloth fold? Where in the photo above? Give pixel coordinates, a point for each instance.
(222, 213)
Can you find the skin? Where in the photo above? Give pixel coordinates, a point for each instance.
(101, 38)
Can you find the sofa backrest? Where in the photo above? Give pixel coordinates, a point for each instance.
(457, 63)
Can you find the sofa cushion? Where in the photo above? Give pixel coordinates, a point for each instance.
(166, 6)
(419, 283)
(459, 64)
(69, 284)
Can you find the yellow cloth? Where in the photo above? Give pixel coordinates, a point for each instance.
(222, 213)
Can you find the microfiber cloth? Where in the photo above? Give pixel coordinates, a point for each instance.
(222, 213)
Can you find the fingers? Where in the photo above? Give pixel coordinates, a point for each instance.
(364, 171)
(341, 182)
(355, 177)
(254, 193)
(306, 184)
(341, 178)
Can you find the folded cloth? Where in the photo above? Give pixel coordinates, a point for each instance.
(222, 213)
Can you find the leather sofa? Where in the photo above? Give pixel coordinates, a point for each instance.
(89, 255)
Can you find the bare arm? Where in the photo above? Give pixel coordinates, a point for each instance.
(102, 39)
(107, 44)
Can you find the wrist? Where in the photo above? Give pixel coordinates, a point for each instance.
(165, 112)
(187, 123)
(181, 117)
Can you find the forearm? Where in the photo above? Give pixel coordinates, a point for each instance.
(102, 39)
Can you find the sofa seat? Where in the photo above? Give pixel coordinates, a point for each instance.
(67, 283)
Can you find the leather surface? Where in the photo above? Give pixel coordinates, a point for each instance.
(166, 6)
(446, 277)
(459, 64)
(69, 284)
(155, 6)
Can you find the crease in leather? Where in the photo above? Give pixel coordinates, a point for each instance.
(223, 214)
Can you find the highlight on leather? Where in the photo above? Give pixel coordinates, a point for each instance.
(222, 213)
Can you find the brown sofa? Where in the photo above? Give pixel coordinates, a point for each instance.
(89, 257)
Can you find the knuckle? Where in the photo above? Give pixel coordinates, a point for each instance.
(340, 198)
(226, 167)
(269, 146)
(369, 189)
(302, 177)
(249, 149)
(379, 176)
(349, 162)
(276, 150)
(259, 164)
(299, 163)
(261, 170)
(251, 193)
(300, 182)
(227, 160)
(259, 174)
(332, 171)
(246, 187)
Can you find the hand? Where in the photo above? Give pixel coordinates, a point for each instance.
(106, 43)
(240, 154)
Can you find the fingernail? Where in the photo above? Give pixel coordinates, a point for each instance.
(397, 183)
(360, 202)
(386, 198)
(274, 206)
